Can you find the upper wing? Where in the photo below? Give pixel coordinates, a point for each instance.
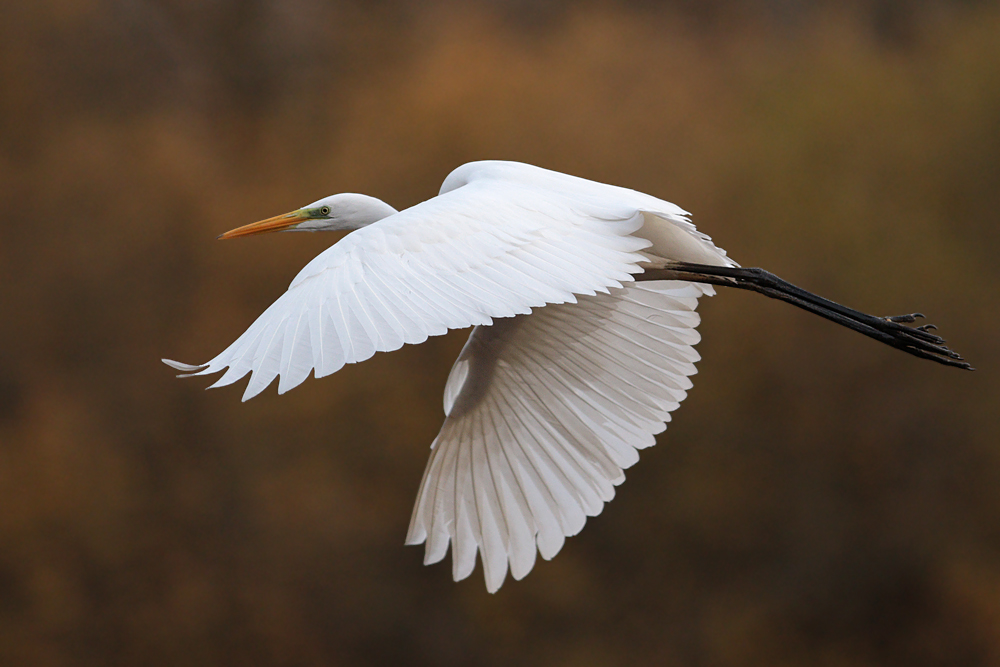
(484, 250)
(544, 412)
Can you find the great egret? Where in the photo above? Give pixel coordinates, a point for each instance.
(583, 299)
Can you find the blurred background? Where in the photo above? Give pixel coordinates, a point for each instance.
(819, 499)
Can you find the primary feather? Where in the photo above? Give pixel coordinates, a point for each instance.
(544, 412)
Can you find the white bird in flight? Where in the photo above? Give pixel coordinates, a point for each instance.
(582, 296)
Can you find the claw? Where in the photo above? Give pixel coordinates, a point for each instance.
(926, 327)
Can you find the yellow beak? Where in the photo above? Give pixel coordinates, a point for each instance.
(275, 224)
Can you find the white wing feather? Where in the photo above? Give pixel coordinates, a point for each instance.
(543, 414)
(487, 249)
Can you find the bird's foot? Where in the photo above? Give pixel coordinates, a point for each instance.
(919, 338)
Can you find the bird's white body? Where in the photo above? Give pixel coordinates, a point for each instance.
(570, 369)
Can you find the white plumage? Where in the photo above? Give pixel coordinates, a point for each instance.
(570, 369)
(544, 412)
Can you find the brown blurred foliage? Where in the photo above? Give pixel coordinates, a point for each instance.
(818, 500)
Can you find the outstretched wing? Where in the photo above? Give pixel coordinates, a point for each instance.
(543, 414)
(490, 248)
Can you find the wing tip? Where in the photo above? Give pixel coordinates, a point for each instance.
(187, 370)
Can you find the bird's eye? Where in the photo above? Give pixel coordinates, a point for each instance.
(325, 210)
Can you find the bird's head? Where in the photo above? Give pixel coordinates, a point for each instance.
(334, 213)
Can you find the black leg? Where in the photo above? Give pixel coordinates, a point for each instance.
(918, 341)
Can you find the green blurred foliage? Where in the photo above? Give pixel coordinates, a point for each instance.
(818, 500)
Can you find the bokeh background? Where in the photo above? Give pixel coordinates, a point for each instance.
(818, 500)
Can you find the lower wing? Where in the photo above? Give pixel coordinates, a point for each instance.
(544, 411)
